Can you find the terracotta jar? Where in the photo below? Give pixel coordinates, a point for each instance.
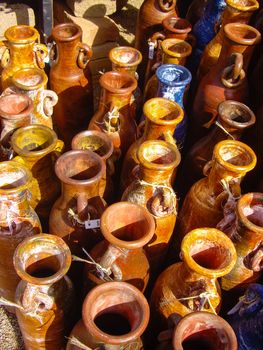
(38, 147)
(226, 80)
(70, 78)
(17, 221)
(101, 144)
(246, 232)
(126, 228)
(23, 50)
(114, 316)
(153, 190)
(45, 294)
(238, 11)
(192, 285)
(115, 115)
(203, 204)
(161, 118)
(77, 209)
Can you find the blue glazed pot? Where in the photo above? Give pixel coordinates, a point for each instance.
(172, 82)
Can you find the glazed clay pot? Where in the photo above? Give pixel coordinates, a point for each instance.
(191, 285)
(114, 315)
(246, 232)
(203, 204)
(38, 147)
(45, 294)
(70, 78)
(153, 190)
(126, 228)
(162, 117)
(22, 51)
(17, 221)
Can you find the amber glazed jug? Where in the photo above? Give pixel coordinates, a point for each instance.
(191, 285)
(23, 50)
(127, 228)
(153, 190)
(45, 294)
(203, 204)
(114, 316)
(17, 221)
(70, 78)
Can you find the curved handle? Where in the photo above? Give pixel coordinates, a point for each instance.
(58, 150)
(140, 129)
(41, 52)
(156, 37)
(48, 100)
(207, 167)
(19, 160)
(5, 58)
(168, 137)
(85, 54)
(166, 8)
(233, 76)
(163, 204)
(110, 166)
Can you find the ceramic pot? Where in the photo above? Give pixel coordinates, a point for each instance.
(126, 228)
(70, 78)
(114, 315)
(153, 190)
(45, 294)
(17, 221)
(23, 50)
(162, 117)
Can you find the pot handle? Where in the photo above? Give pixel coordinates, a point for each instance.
(168, 137)
(41, 52)
(156, 37)
(5, 58)
(85, 54)
(233, 75)
(48, 100)
(164, 8)
(58, 150)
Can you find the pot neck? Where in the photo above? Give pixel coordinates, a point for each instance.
(154, 131)
(128, 69)
(25, 51)
(156, 176)
(120, 101)
(67, 53)
(14, 205)
(89, 191)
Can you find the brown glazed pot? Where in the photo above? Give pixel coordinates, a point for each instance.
(227, 80)
(115, 115)
(45, 294)
(192, 285)
(202, 206)
(114, 316)
(17, 221)
(23, 50)
(247, 234)
(70, 78)
(153, 190)
(126, 228)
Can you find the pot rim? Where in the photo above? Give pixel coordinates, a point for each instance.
(177, 68)
(12, 39)
(35, 71)
(55, 32)
(26, 111)
(123, 64)
(229, 30)
(167, 43)
(104, 83)
(167, 24)
(234, 4)
(242, 203)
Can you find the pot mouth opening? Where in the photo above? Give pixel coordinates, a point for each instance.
(21, 33)
(243, 5)
(177, 25)
(125, 56)
(163, 111)
(118, 82)
(236, 114)
(13, 176)
(173, 75)
(29, 78)
(176, 47)
(242, 33)
(15, 105)
(66, 31)
(250, 207)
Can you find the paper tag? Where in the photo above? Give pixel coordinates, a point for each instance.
(151, 50)
(92, 224)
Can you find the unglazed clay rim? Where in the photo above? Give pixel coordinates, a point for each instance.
(239, 7)
(30, 39)
(174, 67)
(228, 165)
(167, 43)
(150, 165)
(166, 24)
(228, 30)
(204, 317)
(99, 134)
(43, 237)
(123, 64)
(134, 244)
(103, 82)
(22, 114)
(175, 107)
(232, 122)
(39, 153)
(36, 71)
(215, 236)
(86, 153)
(242, 203)
(62, 26)
(104, 337)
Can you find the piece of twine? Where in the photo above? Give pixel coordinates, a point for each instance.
(205, 298)
(74, 341)
(107, 121)
(224, 129)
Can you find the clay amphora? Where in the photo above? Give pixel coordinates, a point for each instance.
(45, 294)
(227, 79)
(38, 147)
(161, 118)
(70, 78)
(149, 20)
(23, 50)
(101, 144)
(238, 11)
(246, 232)
(17, 221)
(153, 190)
(114, 316)
(126, 228)
(203, 204)
(115, 115)
(192, 285)
(77, 209)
